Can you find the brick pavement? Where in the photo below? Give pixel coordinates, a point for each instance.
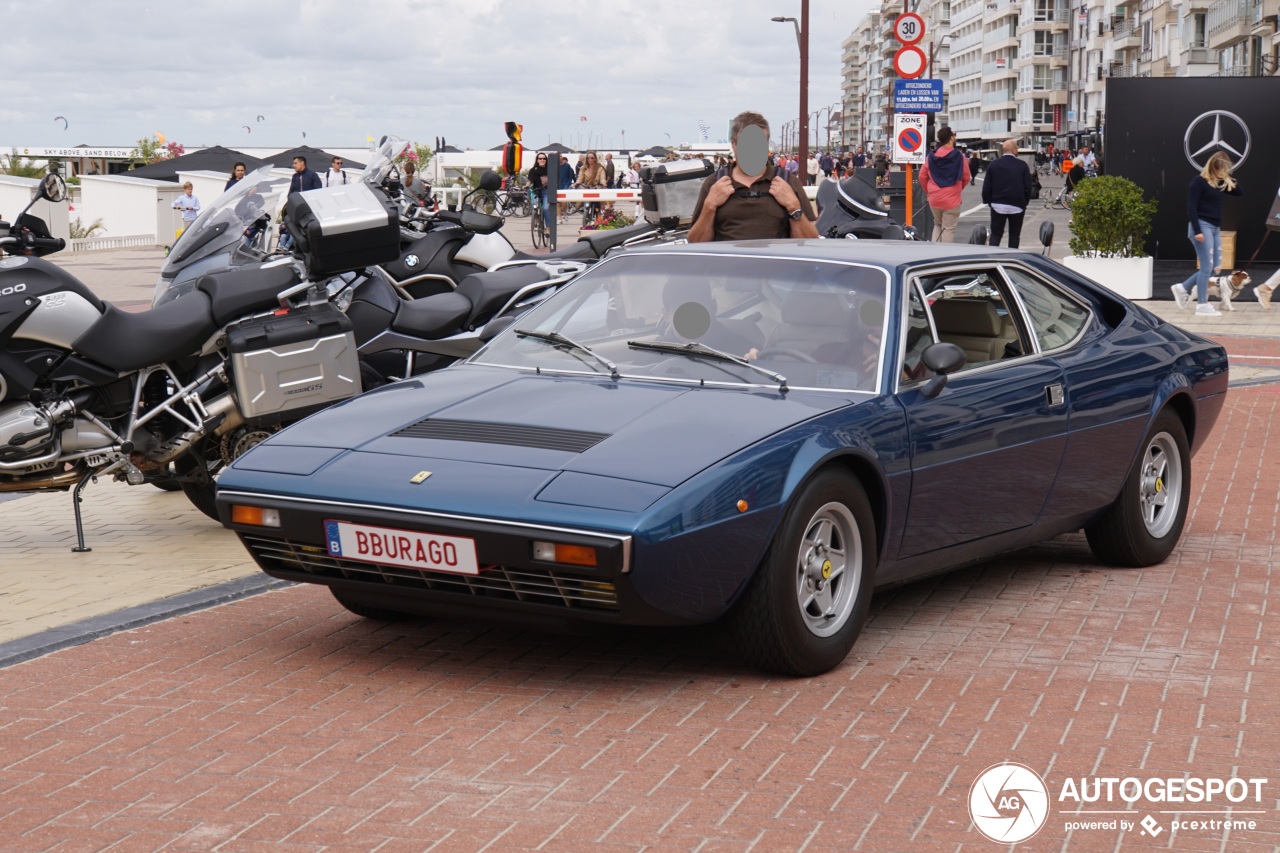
(281, 721)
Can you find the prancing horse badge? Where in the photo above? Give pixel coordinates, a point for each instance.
(419, 477)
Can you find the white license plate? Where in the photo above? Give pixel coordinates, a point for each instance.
(390, 547)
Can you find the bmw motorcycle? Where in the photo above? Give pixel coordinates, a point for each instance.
(853, 209)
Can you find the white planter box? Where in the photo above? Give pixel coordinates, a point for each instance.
(1127, 277)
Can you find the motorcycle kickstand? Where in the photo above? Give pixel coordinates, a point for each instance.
(76, 500)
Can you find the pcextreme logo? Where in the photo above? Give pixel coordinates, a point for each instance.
(1009, 803)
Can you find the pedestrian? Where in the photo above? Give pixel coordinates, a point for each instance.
(610, 174)
(860, 159)
(303, 178)
(881, 167)
(813, 168)
(237, 174)
(336, 176)
(1089, 162)
(1007, 188)
(188, 204)
(943, 177)
(975, 164)
(754, 201)
(827, 164)
(565, 180)
(414, 188)
(1205, 195)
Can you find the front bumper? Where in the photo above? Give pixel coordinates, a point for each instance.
(511, 580)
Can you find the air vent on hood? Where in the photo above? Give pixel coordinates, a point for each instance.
(546, 438)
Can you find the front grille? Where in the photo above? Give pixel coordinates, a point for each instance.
(546, 438)
(537, 586)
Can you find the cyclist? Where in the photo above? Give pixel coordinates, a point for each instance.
(592, 176)
(538, 184)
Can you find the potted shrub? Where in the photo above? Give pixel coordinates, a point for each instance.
(1110, 221)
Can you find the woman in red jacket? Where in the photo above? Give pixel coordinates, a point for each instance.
(943, 177)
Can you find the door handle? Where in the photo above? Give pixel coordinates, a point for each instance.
(1053, 394)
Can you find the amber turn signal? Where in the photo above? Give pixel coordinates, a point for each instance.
(559, 552)
(742, 506)
(255, 516)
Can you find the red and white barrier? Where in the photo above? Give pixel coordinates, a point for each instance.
(596, 195)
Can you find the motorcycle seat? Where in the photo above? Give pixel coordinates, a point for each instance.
(432, 317)
(122, 340)
(603, 241)
(237, 292)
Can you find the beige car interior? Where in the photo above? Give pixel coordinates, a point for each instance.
(975, 325)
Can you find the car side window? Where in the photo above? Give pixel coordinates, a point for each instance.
(1055, 319)
(917, 338)
(970, 309)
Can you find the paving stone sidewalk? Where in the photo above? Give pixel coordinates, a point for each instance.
(282, 722)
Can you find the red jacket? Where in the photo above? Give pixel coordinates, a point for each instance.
(944, 198)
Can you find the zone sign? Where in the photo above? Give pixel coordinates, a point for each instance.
(908, 28)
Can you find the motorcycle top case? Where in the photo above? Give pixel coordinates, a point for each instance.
(340, 229)
(669, 191)
(289, 365)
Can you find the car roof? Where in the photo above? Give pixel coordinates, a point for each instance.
(884, 253)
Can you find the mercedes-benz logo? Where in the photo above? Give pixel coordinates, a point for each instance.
(1229, 134)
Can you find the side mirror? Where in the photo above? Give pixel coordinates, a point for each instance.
(496, 327)
(942, 358)
(53, 188)
(490, 181)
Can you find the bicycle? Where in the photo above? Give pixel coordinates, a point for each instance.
(537, 225)
(1061, 201)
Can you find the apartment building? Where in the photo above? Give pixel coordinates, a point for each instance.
(1037, 69)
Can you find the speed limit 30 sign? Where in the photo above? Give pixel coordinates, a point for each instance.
(908, 28)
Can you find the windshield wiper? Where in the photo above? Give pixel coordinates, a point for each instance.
(560, 340)
(696, 349)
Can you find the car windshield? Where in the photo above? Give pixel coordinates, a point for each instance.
(221, 226)
(782, 322)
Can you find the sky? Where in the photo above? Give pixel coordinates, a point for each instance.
(263, 73)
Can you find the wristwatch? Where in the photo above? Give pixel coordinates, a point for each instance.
(797, 213)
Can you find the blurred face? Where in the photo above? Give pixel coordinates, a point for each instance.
(238, 172)
(337, 163)
(299, 164)
(540, 160)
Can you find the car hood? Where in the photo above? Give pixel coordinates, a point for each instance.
(505, 435)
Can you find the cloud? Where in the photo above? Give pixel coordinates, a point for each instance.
(417, 69)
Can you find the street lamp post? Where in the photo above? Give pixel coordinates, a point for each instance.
(802, 42)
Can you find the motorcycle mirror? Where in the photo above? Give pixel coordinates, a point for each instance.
(53, 188)
(490, 181)
(1046, 235)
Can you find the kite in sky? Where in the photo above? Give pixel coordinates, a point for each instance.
(63, 119)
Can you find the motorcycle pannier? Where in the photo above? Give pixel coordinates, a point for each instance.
(339, 229)
(670, 190)
(293, 363)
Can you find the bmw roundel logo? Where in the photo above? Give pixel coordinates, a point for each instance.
(410, 260)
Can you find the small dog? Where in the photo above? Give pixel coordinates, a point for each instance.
(1228, 286)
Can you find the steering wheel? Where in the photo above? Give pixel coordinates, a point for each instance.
(787, 353)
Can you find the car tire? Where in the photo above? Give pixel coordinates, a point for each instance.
(368, 611)
(802, 612)
(1141, 528)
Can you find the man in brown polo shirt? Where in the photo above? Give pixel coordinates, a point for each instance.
(753, 201)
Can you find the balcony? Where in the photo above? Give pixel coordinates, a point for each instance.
(1230, 21)
(1002, 98)
(1000, 38)
(1199, 56)
(1125, 34)
(997, 129)
(966, 41)
(996, 70)
(959, 72)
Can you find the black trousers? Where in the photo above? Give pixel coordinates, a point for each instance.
(998, 221)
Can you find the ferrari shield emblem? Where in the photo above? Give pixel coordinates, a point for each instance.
(419, 477)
